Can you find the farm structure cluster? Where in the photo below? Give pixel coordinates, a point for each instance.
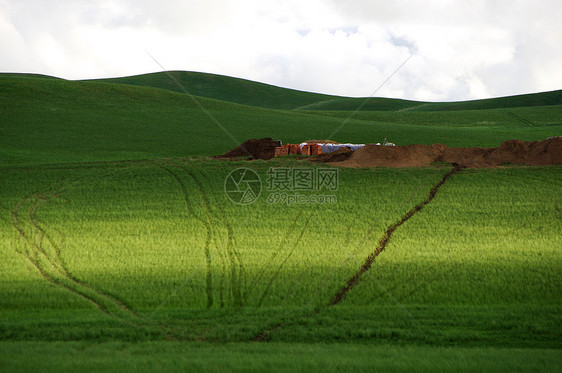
(312, 148)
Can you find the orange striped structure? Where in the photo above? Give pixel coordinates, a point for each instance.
(315, 149)
(294, 148)
(281, 150)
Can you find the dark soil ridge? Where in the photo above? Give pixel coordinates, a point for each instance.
(338, 297)
(252, 149)
(529, 153)
(264, 334)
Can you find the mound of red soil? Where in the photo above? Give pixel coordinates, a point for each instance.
(339, 155)
(253, 149)
(531, 153)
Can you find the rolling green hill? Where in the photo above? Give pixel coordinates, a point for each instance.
(268, 96)
(55, 120)
(386, 104)
(225, 88)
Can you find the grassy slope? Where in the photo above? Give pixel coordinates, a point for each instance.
(539, 117)
(225, 88)
(268, 96)
(385, 104)
(53, 121)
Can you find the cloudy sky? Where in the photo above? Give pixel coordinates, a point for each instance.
(460, 49)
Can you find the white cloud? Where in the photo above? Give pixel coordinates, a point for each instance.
(461, 50)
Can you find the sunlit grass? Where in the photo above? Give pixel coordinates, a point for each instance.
(159, 242)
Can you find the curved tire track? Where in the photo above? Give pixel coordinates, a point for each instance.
(59, 264)
(231, 262)
(209, 236)
(235, 259)
(338, 297)
(48, 262)
(263, 335)
(265, 269)
(276, 273)
(34, 237)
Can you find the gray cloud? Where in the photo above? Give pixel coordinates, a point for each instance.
(462, 50)
(404, 42)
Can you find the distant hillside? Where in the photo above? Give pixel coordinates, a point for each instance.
(526, 100)
(50, 120)
(386, 104)
(28, 75)
(225, 88)
(251, 93)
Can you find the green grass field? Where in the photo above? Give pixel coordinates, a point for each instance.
(120, 249)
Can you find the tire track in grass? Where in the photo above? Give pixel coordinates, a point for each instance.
(57, 261)
(214, 219)
(34, 236)
(338, 297)
(434, 271)
(276, 274)
(521, 119)
(224, 255)
(263, 335)
(32, 255)
(367, 238)
(258, 278)
(241, 270)
(53, 257)
(236, 266)
(212, 236)
(209, 236)
(240, 296)
(48, 262)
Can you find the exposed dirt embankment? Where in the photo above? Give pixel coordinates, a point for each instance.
(253, 149)
(531, 153)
